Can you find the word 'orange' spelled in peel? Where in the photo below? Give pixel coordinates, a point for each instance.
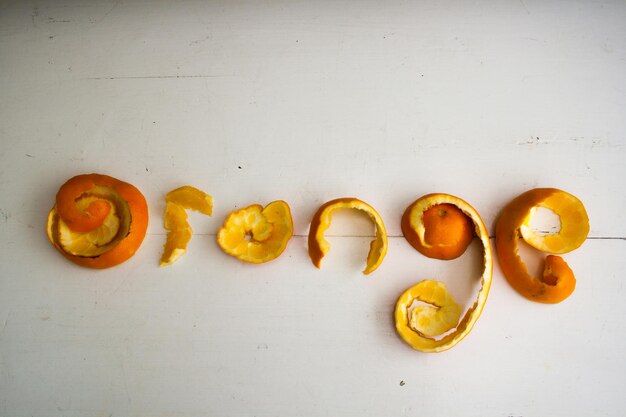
(418, 326)
(319, 246)
(98, 221)
(558, 281)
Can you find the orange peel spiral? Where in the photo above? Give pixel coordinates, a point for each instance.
(419, 326)
(558, 281)
(98, 221)
(319, 246)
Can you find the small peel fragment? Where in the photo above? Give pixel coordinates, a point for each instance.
(191, 198)
(257, 234)
(558, 281)
(175, 220)
(319, 246)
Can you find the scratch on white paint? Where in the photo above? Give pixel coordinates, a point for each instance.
(197, 41)
(574, 140)
(98, 21)
(4, 325)
(524, 6)
(151, 77)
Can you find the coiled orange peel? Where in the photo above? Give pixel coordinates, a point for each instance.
(98, 221)
(179, 231)
(319, 246)
(440, 315)
(256, 234)
(419, 326)
(558, 281)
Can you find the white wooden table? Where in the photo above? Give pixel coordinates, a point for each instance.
(307, 101)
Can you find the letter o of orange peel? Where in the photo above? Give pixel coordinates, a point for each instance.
(443, 313)
(98, 221)
(558, 281)
(319, 246)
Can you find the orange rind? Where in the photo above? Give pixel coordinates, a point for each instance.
(558, 281)
(191, 198)
(440, 314)
(257, 234)
(179, 231)
(319, 246)
(439, 326)
(440, 231)
(98, 221)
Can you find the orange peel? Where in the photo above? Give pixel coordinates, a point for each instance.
(420, 326)
(558, 281)
(319, 246)
(440, 231)
(191, 198)
(97, 221)
(179, 231)
(440, 314)
(257, 234)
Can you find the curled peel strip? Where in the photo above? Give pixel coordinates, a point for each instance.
(443, 314)
(179, 231)
(440, 314)
(558, 281)
(319, 246)
(98, 221)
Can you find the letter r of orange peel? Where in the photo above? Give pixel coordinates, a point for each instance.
(319, 246)
(179, 231)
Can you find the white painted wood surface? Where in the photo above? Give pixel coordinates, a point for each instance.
(307, 101)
